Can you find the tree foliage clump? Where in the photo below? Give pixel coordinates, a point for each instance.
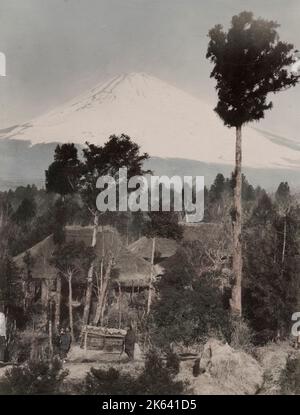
(249, 63)
(271, 269)
(290, 377)
(64, 173)
(155, 379)
(189, 306)
(34, 378)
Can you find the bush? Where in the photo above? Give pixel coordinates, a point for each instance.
(189, 308)
(34, 378)
(156, 379)
(241, 335)
(290, 377)
(28, 345)
(173, 363)
(108, 382)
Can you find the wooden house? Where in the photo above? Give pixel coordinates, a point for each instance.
(108, 340)
(164, 248)
(131, 272)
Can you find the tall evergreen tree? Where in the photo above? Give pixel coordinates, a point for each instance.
(249, 63)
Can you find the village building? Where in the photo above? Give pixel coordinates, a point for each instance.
(130, 275)
(164, 248)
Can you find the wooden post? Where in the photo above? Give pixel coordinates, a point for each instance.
(151, 276)
(57, 301)
(132, 291)
(120, 307)
(50, 331)
(85, 338)
(89, 286)
(71, 306)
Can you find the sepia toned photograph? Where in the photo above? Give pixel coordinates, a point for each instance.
(149, 200)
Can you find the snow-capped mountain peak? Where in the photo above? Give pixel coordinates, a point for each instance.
(164, 120)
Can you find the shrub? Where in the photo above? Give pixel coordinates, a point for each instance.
(108, 382)
(173, 363)
(188, 307)
(34, 378)
(290, 377)
(241, 335)
(28, 345)
(155, 379)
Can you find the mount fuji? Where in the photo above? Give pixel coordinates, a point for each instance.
(165, 121)
(181, 133)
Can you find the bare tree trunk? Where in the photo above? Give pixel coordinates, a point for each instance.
(24, 292)
(89, 284)
(57, 302)
(284, 241)
(71, 306)
(50, 331)
(237, 261)
(103, 308)
(103, 293)
(150, 292)
(120, 304)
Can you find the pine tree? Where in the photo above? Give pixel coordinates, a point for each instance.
(249, 63)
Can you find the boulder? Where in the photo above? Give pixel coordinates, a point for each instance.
(223, 371)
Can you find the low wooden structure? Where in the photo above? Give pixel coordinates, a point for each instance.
(108, 340)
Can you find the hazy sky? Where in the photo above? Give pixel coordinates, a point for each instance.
(58, 48)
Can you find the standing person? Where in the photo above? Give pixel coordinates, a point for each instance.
(65, 341)
(129, 342)
(2, 333)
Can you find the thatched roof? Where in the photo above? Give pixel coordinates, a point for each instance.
(131, 270)
(107, 237)
(163, 247)
(199, 231)
(203, 236)
(41, 254)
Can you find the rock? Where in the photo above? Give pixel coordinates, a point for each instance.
(226, 372)
(3, 370)
(273, 358)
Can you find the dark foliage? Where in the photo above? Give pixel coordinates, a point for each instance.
(99, 161)
(162, 224)
(271, 269)
(249, 62)
(64, 173)
(26, 211)
(34, 378)
(155, 379)
(173, 362)
(108, 382)
(189, 306)
(290, 377)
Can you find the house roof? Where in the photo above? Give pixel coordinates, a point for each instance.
(41, 254)
(205, 236)
(199, 231)
(130, 268)
(164, 247)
